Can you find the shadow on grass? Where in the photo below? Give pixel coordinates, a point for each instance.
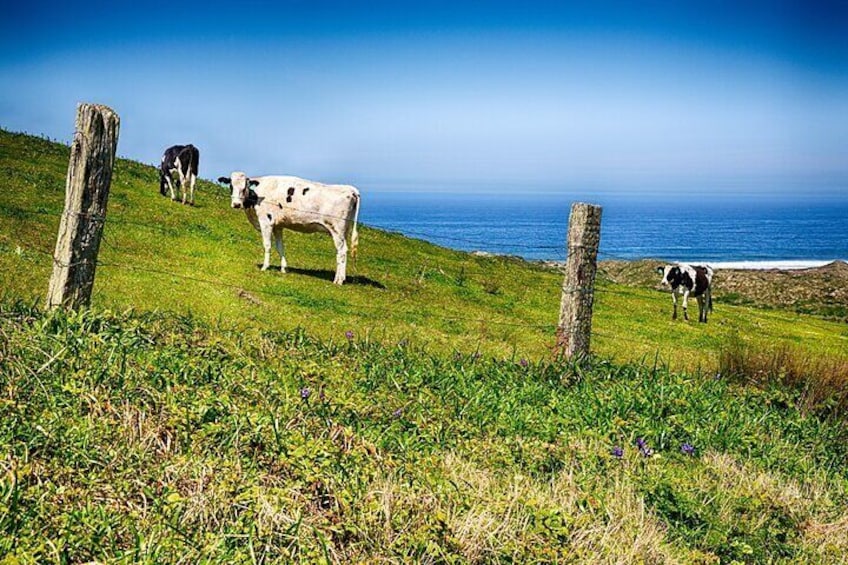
(328, 276)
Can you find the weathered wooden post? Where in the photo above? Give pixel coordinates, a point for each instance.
(86, 195)
(575, 316)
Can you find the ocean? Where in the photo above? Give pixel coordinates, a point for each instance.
(736, 233)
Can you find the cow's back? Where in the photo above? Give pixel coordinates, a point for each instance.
(309, 200)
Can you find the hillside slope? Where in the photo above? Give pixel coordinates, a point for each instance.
(820, 290)
(204, 260)
(158, 439)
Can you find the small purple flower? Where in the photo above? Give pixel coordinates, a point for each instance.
(617, 451)
(640, 443)
(397, 413)
(646, 451)
(523, 362)
(304, 393)
(687, 449)
(349, 335)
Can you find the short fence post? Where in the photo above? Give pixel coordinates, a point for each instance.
(575, 317)
(86, 194)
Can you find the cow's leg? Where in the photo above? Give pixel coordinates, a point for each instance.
(341, 257)
(702, 310)
(183, 181)
(674, 301)
(685, 305)
(192, 179)
(267, 232)
(170, 182)
(278, 243)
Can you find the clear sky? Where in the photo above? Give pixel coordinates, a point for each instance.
(658, 97)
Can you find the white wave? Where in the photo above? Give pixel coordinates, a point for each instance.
(762, 265)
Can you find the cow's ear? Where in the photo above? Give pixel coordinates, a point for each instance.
(254, 182)
(660, 270)
(224, 180)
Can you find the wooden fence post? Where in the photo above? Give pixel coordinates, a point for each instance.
(86, 195)
(575, 316)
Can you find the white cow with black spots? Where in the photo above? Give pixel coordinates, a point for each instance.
(694, 280)
(276, 202)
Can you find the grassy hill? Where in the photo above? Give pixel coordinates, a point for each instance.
(203, 411)
(204, 261)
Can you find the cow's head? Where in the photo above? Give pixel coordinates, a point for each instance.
(240, 185)
(671, 275)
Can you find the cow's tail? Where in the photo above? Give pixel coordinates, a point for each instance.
(354, 234)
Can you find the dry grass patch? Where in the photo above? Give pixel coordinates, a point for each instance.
(561, 519)
(821, 380)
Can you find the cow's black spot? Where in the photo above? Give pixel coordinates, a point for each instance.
(251, 200)
(305, 190)
(687, 281)
(701, 282)
(269, 217)
(290, 194)
(280, 205)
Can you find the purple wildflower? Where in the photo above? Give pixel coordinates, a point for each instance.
(305, 392)
(523, 362)
(688, 449)
(646, 451)
(640, 443)
(617, 451)
(397, 413)
(349, 335)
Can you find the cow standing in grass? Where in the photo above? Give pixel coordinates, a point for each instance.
(179, 165)
(689, 279)
(276, 202)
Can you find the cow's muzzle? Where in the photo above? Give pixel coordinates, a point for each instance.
(236, 204)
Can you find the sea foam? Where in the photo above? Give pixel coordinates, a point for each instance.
(762, 265)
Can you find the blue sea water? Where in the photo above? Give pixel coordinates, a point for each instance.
(701, 229)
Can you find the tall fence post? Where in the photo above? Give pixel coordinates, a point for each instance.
(86, 194)
(575, 316)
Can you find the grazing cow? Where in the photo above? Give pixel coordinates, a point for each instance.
(275, 202)
(689, 279)
(180, 161)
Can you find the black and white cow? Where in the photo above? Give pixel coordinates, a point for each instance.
(179, 165)
(276, 202)
(689, 280)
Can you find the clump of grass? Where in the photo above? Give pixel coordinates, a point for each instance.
(820, 381)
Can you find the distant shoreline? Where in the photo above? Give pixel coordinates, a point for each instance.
(766, 265)
(786, 265)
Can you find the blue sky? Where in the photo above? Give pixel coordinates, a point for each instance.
(725, 98)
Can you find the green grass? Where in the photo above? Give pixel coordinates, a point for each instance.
(153, 438)
(204, 260)
(203, 411)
